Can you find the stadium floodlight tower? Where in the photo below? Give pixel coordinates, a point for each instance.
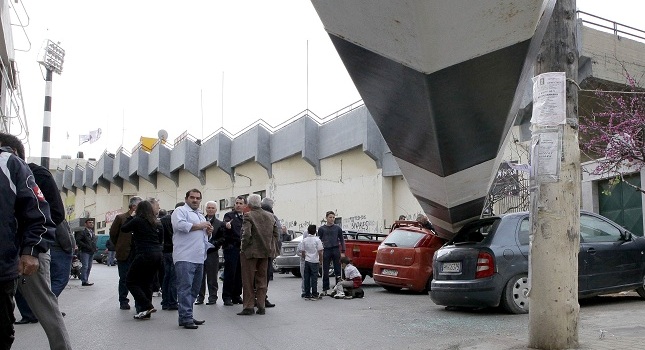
(52, 60)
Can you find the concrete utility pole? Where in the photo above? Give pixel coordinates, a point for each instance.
(555, 205)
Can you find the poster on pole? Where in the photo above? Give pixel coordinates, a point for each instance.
(549, 99)
(546, 154)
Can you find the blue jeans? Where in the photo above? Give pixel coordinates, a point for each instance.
(169, 285)
(189, 280)
(60, 267)
(333, 255)
(311, 279)
(110, 257)
(86, 260)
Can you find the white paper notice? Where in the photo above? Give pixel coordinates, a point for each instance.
(549, 99)
(549, 156)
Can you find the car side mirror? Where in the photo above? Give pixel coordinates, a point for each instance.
(626, 236)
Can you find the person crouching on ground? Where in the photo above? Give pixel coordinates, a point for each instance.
(353, 279)
(147, 235)
(312, 251)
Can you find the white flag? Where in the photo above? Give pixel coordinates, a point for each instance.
(82, 139)
(92, 137)
(95, 135)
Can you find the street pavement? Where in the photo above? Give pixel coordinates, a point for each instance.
(381, 320)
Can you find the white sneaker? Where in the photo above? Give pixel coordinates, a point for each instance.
(339, 296)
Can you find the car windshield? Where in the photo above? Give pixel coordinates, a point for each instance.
(476, 232)
(403, 238)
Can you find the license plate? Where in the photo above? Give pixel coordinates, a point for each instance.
(451, 267)
(289, 249)
(389, 272)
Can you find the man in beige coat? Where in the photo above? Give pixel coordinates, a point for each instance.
(259, 237)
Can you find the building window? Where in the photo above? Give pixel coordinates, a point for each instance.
(261, 193)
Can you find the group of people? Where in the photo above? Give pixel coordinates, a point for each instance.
(326, 245)
(185, 242)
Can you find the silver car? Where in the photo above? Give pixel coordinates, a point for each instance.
(288, 260)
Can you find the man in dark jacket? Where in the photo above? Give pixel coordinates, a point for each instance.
(123, 241)
(211, 264)
(86, 242)
(169, 284)
(27, 223)
(232, 287)
(54, 266)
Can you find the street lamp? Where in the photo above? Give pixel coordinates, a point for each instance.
(250, 181)
(52, 60)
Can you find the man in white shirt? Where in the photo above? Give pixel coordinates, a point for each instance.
(190, 242)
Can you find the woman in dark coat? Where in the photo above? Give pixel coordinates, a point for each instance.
(147, 238)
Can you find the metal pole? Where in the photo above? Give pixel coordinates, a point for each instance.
(47, 121)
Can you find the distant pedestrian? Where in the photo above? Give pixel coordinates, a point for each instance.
(123, 242)
(232, 286)
(211, 265)
(190, 242)
(111, 252)
(312, 251)
(86, 242)
(300, 248)
(401, 217)
(147, 235)
(332, 238)
(423, 219)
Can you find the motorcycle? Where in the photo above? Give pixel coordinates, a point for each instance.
(76, 266)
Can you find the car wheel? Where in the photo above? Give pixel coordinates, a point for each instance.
(392, 289)
(641, 290)
(515, 298)
(296, 272)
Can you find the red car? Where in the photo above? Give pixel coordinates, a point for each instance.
(404, 259)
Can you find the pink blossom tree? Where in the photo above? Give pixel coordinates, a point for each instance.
(614, 135)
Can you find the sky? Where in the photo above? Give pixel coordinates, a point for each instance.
(134, 67)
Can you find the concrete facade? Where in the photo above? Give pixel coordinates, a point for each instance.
(308, 167)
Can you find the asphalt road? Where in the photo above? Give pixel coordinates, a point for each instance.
(381, 320)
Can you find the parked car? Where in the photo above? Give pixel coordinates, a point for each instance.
(486, 263)
(404, 259)
(288, 260)
(361, 248)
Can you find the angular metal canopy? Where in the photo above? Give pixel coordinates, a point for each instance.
(440, 79)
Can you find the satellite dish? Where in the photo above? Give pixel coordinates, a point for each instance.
(163, 134)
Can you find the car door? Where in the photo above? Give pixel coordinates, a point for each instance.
(606, 260)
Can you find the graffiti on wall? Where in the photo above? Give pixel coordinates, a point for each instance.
(360, 223)
(110, 215)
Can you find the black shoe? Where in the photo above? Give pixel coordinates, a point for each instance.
(261, 311)
(228, 303)
(267, 303)
(246, 312)
(199, 322)
(124, 306)
(63, 314)
(211, 302)
(238, 301)
(87, 284)
(188, 325)
(199, 302)
(26, 321)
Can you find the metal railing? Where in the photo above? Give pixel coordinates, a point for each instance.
(610, 26)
